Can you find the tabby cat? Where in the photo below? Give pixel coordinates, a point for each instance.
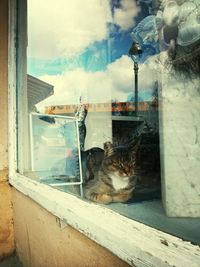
(116, 178)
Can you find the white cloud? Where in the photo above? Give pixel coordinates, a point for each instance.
(122, 74)
(65, 28)
(149, 72)
(69, 86)
(116, 82)
(125, 15)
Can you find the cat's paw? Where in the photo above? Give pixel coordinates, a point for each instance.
(101, 198)
(121, 197)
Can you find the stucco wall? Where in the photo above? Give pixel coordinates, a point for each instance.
(6, 220)
(6, 214)
(41, 242)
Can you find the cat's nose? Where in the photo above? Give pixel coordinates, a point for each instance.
(128, 174)
(123, 174)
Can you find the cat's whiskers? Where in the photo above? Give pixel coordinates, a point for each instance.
(115, 179)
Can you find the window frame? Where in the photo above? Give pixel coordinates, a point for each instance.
(132, 241)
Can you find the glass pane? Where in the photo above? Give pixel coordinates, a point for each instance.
(111, 94)
(55, 153)
(84, 68)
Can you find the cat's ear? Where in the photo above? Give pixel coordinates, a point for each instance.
(108, 149)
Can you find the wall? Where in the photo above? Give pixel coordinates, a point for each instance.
(180, 144)
(6, 213)
(41, 242)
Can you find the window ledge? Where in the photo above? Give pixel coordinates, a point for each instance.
(132, 241)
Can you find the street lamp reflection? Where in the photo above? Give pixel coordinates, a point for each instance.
(135, 51)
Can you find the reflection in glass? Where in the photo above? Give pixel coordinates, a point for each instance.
(55, 149)
(80, 67)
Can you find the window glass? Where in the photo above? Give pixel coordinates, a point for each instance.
(109, 88)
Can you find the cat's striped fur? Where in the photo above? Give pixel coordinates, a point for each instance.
(116, 179)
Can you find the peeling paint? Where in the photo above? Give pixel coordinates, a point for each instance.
(41, 242)
(127, 239)
(6, 221)
(4, 175)
(164, 242)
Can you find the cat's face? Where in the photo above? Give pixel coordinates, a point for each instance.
(119, 161)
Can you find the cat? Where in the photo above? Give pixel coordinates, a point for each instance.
(116, 178)
(91, 161)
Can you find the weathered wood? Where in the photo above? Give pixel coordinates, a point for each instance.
(134, 242)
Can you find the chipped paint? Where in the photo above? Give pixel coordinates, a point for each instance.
(133, 242)
(6, 221)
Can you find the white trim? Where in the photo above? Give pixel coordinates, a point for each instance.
(12, 139)
(133, 242)
(70, 119)
(31, 142)
(54, 116)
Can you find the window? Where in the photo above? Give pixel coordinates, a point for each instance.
(82, 62)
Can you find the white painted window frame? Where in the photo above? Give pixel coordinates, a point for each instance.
(132, 241)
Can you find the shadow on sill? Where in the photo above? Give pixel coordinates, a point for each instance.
(12, 261)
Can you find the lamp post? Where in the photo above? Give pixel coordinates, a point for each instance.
(135, 51)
